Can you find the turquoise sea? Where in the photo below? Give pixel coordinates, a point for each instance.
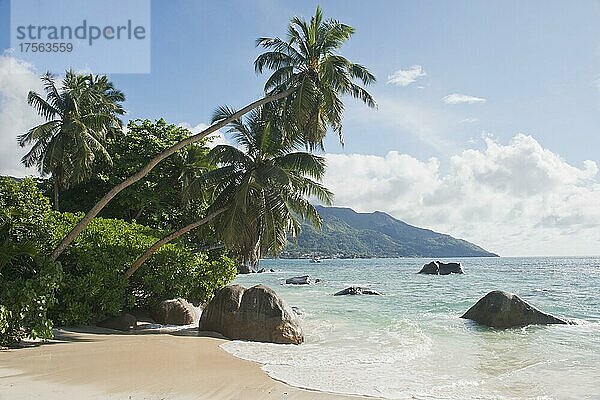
(411, 343)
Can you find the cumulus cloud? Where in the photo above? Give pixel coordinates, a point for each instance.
(516, 199)
(458, 98)
(17, 78)
(404, 77)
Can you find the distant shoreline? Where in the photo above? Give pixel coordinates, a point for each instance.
(368, 257)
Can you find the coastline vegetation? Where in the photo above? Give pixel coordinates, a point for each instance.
(124, 219)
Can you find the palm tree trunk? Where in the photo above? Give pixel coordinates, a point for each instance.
(172, 236)
(56, 189)
(157, 159)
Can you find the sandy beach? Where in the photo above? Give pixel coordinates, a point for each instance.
(102, 365)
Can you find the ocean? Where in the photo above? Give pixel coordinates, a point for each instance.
(412, 344)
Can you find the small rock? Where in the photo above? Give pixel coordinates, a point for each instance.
(298, 280)
(175, 312)
(440, 268)
(354, 290)
(123, 322)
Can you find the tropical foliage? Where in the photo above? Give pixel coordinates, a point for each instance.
(264, 186)
(309, 76)
(308, 62)
(165, 182)
(80, 116)
(28, 279)
(94, 286)
(156, 200)
(32, 293)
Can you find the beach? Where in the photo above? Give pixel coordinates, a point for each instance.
(100, 364)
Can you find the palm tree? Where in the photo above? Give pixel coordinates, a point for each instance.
(258, 192)
(79, 116)
(307, 69)
(308, 60)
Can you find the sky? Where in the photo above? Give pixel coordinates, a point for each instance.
(488, 118)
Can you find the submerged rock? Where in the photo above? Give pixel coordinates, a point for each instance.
(256, 314)
(262, 270)
(175, 312)
(440, 268)
(353, 290)
(123, 322)
(298, 280)
(500, 309)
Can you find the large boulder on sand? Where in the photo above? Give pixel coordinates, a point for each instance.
(256, 314)
(440, 268)
(123, 322)
(354, 290)
(175, 312)
(298, 280)
(500, 309)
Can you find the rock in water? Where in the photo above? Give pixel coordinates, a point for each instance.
(352, 290)
(175, 312)
(123, 322)
(298, 280)
(500, 309)
(255, 314)
(440, 268)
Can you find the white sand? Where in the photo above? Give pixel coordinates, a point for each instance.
(102, 365)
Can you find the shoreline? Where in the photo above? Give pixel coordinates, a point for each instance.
(95, 363)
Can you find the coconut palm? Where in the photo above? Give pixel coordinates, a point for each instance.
(79, 116)
(308, 60)
(258, 190)
(308, 74)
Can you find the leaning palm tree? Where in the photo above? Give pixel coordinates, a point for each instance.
(306, 67)
(80, 116)
(259, 191)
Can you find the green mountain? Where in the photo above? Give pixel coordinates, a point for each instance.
(346, 233)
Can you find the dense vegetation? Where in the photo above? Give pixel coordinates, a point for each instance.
(346, 233)
(28, 279)
(156, 198)
(87, 284)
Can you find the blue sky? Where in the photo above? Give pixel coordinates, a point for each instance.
(535, 66)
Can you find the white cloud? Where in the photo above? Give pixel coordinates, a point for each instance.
(17, 78)
(468, 120)
(515, 199)
(458, 98)
(403, 117)
(404, 77)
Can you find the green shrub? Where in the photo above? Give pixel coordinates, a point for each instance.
(28, 279)
(174, 272)
(27, 285)
(94, 287)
